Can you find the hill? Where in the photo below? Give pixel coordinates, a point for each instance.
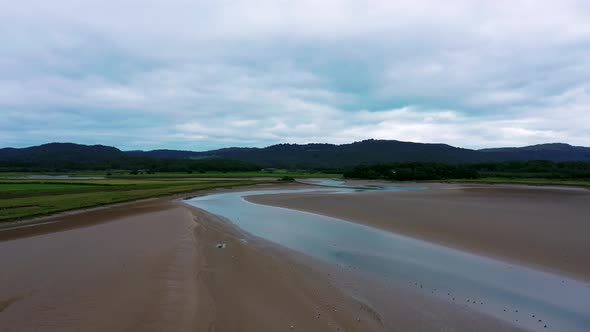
(164, 154)
(552, 152)
(335, 156)
(62, 155)
(315, 155)
(70, 156)
(62, 152)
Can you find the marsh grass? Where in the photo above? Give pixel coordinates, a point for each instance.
(22, 199)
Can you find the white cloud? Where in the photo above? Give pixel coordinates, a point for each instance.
(132, 72)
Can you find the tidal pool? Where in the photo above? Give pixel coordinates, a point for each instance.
(530, 298)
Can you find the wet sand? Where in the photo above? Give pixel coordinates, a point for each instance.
(128, 271)
(543, 227)
(155, 266)
(265, 285)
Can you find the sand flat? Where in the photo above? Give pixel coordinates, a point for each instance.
(125, 274)
(155, 266)
(543, 227)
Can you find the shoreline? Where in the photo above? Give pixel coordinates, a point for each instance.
(41, 220)
(65, 220)
(68, 220)
(296, 293)
(161, 269)
(379, 306)
(461, 217)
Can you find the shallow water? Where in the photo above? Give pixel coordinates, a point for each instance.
(527, 297)
(359, 188)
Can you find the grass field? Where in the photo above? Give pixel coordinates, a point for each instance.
(531, 181)
(260, 174)
(171, 175)
(27, 198)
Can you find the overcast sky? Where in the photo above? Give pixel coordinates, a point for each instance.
(141, 74)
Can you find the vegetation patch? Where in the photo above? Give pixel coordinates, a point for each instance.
(287, 179)
(22, 200)
(518, 171)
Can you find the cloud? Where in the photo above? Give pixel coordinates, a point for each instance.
(199, 75)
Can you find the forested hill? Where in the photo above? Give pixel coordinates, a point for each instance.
(288, 155)
(334, 156)
(552, 152)
(345, 155)
(69, 156)
(377, 151)
(62, 152)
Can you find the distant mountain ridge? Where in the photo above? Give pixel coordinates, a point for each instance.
(552, 151)
(380, 151)
(314, 155)
(62, 152)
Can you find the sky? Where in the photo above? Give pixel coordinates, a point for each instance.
(199, 75)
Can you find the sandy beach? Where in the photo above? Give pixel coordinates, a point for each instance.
(545, 227)
(155, 266)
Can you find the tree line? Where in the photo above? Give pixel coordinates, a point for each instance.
(443, 171)
(134, 164)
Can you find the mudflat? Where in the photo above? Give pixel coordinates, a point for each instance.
(123, 268)
(254, 285)
(546, 227)
(156, 266)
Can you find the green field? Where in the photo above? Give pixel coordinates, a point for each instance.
(260, 174)
(123, 174)
(27, 198)
(531, 181)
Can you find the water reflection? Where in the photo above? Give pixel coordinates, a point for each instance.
(532, 299)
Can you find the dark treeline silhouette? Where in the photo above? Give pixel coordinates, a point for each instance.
(135, 164)
(536, 169)
(412, 171)
(63, 157)
(443, 171)
(306, 156)
(376, 151)
(378, 159)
